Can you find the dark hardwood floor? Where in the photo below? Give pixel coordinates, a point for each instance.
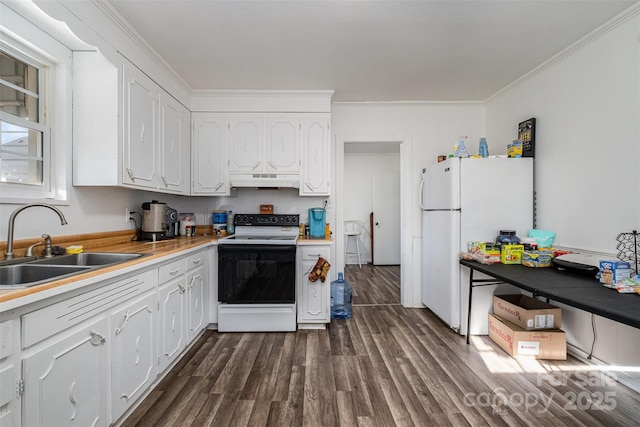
(386, 366)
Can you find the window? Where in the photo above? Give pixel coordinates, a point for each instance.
(35, 108)
(23, 131)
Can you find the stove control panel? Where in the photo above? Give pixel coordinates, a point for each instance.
(284, 220)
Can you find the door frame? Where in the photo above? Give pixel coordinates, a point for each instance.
(407, 290)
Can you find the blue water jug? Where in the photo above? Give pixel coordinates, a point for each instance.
(341, 298)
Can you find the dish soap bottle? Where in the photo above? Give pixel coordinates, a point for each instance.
(230, 226)
(483, 148)
(461, 149)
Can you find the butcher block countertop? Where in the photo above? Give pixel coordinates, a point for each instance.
(115, 241)
(119, 241)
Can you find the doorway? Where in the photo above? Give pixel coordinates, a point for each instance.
(404, 207)
(372, 197)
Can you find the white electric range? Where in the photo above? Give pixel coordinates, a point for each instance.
(256, 274)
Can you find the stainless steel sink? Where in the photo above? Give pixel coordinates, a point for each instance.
(88, 259)
(21, 275)
(35, 272)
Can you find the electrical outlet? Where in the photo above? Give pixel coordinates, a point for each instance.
(127, 215)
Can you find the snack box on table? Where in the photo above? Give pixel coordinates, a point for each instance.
(547, 344)
(526, 312)
(511, 254)
(541, 258)
(614, 271)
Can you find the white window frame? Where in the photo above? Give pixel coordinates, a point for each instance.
(26, 42)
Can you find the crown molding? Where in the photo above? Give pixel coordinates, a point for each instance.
(116, 19)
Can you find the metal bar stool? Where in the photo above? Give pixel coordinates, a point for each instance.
(352, 230)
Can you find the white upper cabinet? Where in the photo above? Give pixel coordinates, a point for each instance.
(127, 130)
(174, 146)
(140, 144)
(246, 144)
(264, 144)
(314, 180)
(209, 155)
(282, 145)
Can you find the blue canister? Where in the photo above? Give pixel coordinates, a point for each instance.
(219, 219)
(508, 237)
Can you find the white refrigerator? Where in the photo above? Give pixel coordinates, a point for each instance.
(469, 199)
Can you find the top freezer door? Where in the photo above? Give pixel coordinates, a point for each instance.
(441, 189)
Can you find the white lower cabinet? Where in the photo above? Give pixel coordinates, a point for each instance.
(171, 325)
(196, 280)
(65, 383)
(87, 359)
(313, 297)
(133, 354)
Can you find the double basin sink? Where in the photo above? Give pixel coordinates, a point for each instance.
(21, 274)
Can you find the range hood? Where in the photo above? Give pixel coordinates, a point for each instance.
(264, 180)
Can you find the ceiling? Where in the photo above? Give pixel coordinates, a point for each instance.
(388, 50)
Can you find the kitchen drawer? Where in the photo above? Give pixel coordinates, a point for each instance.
(48, 321)
(196, 260)
(172, 270)
(313, 252)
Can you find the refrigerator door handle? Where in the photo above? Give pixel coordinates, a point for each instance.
(421, 197)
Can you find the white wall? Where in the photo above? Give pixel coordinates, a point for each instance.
(432, 129)
(587, 107)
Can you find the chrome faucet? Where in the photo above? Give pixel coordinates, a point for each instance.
(9, 254)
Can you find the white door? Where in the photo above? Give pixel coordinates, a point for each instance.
(386, 219)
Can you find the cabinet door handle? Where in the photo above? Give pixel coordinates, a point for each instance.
(197, 261)
(174, 271)
(164, 181)
(273, 165)
(181, 288)
(254, 167)
(97, 338)
(193, 279)
(218, 187)
(142, 132)
(124, 323)
(131, 174)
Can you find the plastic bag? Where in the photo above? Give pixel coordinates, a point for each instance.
(544, 238)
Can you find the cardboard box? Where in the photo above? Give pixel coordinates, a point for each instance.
(528, 313)
(548, 344)
(614, 271)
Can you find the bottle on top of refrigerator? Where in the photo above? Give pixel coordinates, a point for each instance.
(461, 149)
(483, 148)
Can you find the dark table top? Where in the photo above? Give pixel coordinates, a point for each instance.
(578, 291)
